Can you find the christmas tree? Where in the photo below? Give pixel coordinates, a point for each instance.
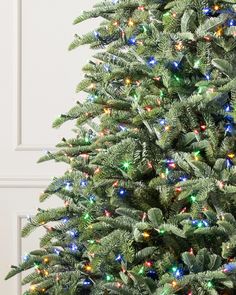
(150, 196)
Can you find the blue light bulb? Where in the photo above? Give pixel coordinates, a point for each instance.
(183, 178)
(74, 247)
(123, 128)
(96, 34)
(132, 41)
(122, 192)
(178, 273)
(228, 129)
(73, 233)
(229, 163)
(162, 122)
(176, 64)
(65, 220)
(207, 76)
(57, 251)
(228, 108)
(207, 11)
(205, 222)
(87, 283)
(26, 257)
(152, 61)
(83, 182)
(69, 186)
(92, 199)
(152, 274)
(231, 23)
(107, 68)
(119, 258)
(194, 222)
(92, 97)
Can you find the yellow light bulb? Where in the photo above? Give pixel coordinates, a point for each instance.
(146, 235)
(127, 81)
(231, 155)
(88, 268)
(130, 22)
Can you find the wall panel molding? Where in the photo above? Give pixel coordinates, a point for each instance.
(17, 132)
(24, 182)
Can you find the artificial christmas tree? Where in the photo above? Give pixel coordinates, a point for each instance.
(150, 197)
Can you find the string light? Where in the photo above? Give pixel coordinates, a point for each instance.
(56, 251)
(193, 198)
(88, 267)
(219, 31)
(92, 199)
(179, 46)
(177, 272)
(174, 284)
(148, 108)
(228, 108)
(130, 23)
(142, 8)
(207, 76)
(229, 163)
(33, 288)
(109, 278)
(216, 7)
(148, 263)
(126, 165)
(152, 274)
(116, 23)
(107, 111)
(132, 41)
(107, 213)
(149, 164)
(231, 23)
(83, 182)
(74, 247)
(87, 283)
(197, 64)
(152, 61)
(207, 11)
(122, 192)
(127, 81)
(209, 284)
(231, 155)
(119, 258)
(146, 235)
(178, 189)
(141, 271)
(69, 186)
(191, 251)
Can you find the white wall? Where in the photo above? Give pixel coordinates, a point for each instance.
(38, 77)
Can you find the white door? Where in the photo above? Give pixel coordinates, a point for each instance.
(38, 77)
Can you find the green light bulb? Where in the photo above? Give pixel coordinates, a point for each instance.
(86, 216)
(197, 64)
(126, 165)
(209, 284)
(200, 224)
(193, 198)
(109, 278)
(197, 153)
(141, 271)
